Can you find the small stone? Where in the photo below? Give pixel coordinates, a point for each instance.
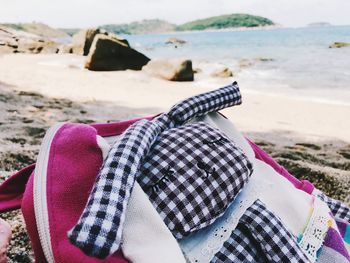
(222, 73)
(175, 41)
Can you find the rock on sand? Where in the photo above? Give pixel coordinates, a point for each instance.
(222, 73)
(82, 40)
(172, 69)
(175, 41)
(108, 53)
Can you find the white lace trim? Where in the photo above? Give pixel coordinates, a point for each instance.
(316, 230)
(202, 246)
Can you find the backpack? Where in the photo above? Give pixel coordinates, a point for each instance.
(54, 192)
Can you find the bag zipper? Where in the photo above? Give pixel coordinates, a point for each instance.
(40, 196)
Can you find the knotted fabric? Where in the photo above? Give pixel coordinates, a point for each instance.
(99, 230)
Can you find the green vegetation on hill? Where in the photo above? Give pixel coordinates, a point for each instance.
(226, 21)
(152, 26)
(142, 27)
(217, 22)
(14, 26)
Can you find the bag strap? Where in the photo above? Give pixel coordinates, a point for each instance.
(98, 231)
(12, 189)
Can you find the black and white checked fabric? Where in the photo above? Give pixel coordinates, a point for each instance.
(192, 174)
(261, 236)
(338, 209)
(240, 247)
(207, 102)
(99, 230)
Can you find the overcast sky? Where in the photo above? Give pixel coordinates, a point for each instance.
(84, 13)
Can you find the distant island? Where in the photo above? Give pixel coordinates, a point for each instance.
(152, 26)
(217, 22)
(318, 24)
(226, 21)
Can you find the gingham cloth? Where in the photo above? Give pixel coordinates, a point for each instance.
(191, 175)
(240, 247)
(338, 209)
(260, 237)
(99, 229)
(206, 102)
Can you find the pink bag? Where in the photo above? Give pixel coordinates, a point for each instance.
(52, 194)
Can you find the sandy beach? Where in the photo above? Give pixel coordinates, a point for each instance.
(311, 139)
(114, 61)
(62, 77)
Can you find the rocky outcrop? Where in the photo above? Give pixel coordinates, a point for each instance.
(172, 69)
(108, 53)
(222, 73)
(82, 40)
(38, 29)
(14, 41)
(339, 45)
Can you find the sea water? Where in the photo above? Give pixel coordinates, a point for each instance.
(296, 61)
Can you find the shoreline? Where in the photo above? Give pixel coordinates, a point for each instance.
(202, 80)
(232, 29)
(260, 111)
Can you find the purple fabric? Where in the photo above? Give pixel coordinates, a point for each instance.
(341, 226)
(334, 241)
(11, 190)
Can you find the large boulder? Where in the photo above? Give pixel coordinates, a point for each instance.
(172, 69)
(82, 40)
(107, 53)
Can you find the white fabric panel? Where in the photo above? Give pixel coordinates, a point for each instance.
(146, 239)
